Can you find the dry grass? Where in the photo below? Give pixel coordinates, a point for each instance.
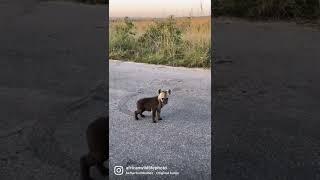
(199, 29)
(157, 42)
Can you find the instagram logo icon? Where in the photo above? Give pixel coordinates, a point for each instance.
(118, 170)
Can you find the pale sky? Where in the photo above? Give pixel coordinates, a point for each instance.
(158, 8)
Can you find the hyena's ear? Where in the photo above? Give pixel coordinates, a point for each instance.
(169, 91)
(159, 91)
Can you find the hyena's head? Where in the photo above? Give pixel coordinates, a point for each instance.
(163, 96)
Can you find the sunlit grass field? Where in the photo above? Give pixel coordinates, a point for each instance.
(184, 41)
(199, 29)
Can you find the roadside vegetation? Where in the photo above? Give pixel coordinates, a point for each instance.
(268, 9)
(169, 41)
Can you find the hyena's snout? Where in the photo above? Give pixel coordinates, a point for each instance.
(165, 100)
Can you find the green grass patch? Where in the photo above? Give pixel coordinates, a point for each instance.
(163, 41)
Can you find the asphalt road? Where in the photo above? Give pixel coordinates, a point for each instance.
(266, 90)
(52, 85)
(181, 141)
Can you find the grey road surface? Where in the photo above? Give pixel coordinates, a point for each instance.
(266, 91)
(52, 85)
(181, 141)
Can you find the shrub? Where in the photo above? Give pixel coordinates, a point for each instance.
(122, 41)
(284, 9)
(163, 38)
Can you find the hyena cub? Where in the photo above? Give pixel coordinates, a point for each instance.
(153, 104)
(98, 144)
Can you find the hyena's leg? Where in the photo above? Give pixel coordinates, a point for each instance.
(157, 115)
(86, 162)
(102, 169)
(142, 114)
(100, 158)
(159, 111)
(154, 115)
(136, 114)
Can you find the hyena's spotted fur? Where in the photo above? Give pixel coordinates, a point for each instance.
(153, 104)
(98, 144)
